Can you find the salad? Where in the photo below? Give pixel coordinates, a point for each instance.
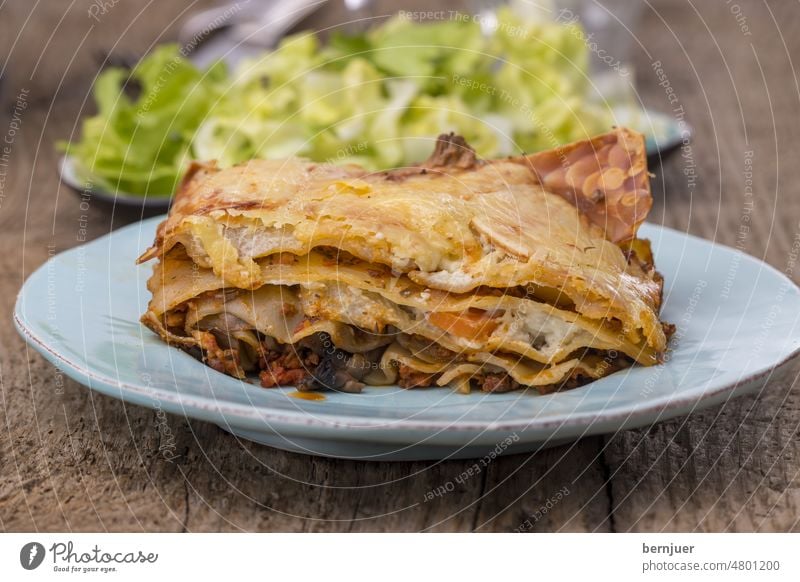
(377, 99)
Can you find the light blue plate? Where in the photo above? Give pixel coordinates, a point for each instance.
(738, 319)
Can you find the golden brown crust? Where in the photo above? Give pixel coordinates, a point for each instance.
(605, 178)
(180, 200)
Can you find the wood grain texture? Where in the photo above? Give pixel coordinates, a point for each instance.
(74, 460)
(733, 468)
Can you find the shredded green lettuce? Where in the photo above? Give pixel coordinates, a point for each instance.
(377, 99)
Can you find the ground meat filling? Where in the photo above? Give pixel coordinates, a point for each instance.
(222, 360)
(408, 377)
(498, 383)
(316, 364)
(288, 368)
(312, 368)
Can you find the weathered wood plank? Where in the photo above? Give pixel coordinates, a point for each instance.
(732, 468)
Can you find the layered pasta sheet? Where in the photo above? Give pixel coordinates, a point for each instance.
(491, 275)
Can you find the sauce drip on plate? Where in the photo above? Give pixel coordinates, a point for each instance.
(307, 395)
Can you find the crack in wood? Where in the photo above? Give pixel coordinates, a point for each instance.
(608, 484)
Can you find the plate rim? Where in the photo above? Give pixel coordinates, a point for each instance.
(195, 406)
(68, 175)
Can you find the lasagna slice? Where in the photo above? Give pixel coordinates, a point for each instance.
(493, 275)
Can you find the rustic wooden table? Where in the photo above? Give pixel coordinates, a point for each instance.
(74, 460)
